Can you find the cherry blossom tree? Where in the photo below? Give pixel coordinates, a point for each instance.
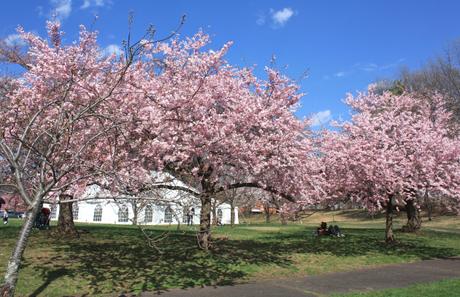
(201, 119)
(394, 148)
(57, 121)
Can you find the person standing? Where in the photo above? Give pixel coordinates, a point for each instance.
(192, 215)
(189, 217)
(5, 217)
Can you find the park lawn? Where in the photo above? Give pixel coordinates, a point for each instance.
(444, 288)
(110, 259)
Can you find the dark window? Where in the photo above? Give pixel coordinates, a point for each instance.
(219, 215)
(148, 214)
(168, 215)
(97, 217)
(123, 214)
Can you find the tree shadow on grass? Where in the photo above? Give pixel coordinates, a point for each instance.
(50, 276)
(122, 261)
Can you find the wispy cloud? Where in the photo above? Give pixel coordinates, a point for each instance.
(370, 67)
(392, 65)
(61, 9)
(14, 39)
(111, 49)
(95, 3)
(364, 67)
(276, 18)
(261, 19)
(321, 118)
(40, 11)
(280, 17)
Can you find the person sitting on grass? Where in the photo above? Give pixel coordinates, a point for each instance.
(332, 230)
(46, 216)
(322, 229)
(335, 231)
(42, 220)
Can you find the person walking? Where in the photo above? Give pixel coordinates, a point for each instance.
(5, 217)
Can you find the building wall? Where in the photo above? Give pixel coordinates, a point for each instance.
(176, 200)
(110, 211)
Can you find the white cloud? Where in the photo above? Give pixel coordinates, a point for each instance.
(14, 39)
(340, 74)
(111, 49)
(280, 17)
(95, 3)
(321, 117)
(61, 8)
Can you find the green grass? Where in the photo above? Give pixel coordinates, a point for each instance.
(445, 288)
(110, 259)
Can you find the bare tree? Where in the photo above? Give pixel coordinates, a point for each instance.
(441, 74)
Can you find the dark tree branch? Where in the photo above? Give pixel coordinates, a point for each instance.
(256, 185)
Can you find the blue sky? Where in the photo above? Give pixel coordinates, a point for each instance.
(343, 45)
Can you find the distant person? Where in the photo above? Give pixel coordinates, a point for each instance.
(5, 217)
(335, 231)
(42, 220)
(332, 230)
(190, 215)
(46, 213)
(322, 229)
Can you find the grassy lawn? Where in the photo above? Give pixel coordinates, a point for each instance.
(445, 288)
(111, 259)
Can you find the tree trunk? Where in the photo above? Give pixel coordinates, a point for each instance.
(389, 237)
(66, 227)
(283, 219)
(430, 211)
(204, 237)
(177, 218)
(232, 213)
(413, 217)
(135, 213)
(267, 213)
(429, 205)
(11, 274)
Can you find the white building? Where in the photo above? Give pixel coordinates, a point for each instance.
(162, 207)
